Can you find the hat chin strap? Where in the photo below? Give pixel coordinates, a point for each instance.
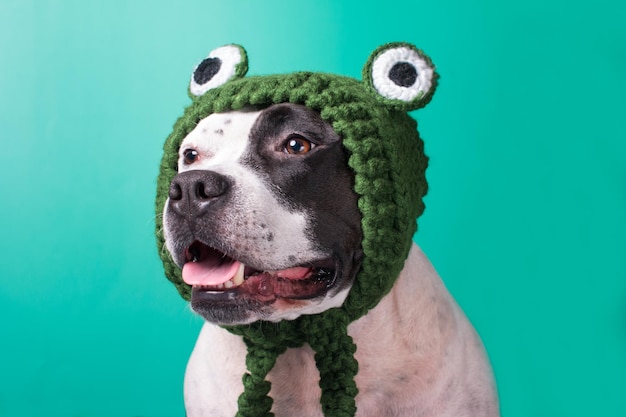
(327, 334)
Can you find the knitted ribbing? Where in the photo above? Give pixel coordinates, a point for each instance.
(260, 359)
(386, 155)
(334, 357)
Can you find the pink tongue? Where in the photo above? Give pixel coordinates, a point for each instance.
(294, 273)
(209, 272)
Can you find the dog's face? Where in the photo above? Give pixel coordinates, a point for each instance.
(262, 217)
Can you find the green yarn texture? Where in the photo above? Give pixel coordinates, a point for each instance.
(388, 160)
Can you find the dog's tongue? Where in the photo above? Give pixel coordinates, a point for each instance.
(297, 272)
(212, 272)
(209, 272)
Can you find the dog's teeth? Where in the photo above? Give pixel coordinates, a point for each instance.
(238, 278)
(193, 251)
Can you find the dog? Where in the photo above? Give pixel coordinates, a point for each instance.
(263, 219)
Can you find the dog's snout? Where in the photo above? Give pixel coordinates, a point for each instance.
(192, 192)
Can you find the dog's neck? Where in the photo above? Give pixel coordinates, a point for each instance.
(408, 345)
(420, 299)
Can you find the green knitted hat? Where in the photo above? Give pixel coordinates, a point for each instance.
(388, 160)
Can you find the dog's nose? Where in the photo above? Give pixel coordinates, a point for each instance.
(193, 192)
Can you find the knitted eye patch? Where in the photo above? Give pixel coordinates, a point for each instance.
(388, 160)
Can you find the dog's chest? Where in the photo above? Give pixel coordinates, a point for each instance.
(295, 388)
(384, 383)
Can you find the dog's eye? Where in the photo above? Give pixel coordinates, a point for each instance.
(297, 145)
(190, 156)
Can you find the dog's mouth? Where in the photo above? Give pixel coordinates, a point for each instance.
(215, 276)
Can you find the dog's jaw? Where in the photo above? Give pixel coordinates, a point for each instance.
(261, 217)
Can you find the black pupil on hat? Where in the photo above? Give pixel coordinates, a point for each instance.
(403, 74)
(206, 70)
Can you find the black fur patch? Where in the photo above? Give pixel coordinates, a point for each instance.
(319, 182)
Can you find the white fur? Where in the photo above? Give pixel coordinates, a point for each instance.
(418, 356)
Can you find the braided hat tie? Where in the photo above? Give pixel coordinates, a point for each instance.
(388, 160)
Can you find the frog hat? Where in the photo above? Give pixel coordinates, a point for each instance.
(387, 157)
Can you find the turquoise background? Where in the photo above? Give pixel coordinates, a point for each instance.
(525, 219)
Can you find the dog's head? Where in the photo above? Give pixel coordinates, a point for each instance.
(288, 195)
(262, 217)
